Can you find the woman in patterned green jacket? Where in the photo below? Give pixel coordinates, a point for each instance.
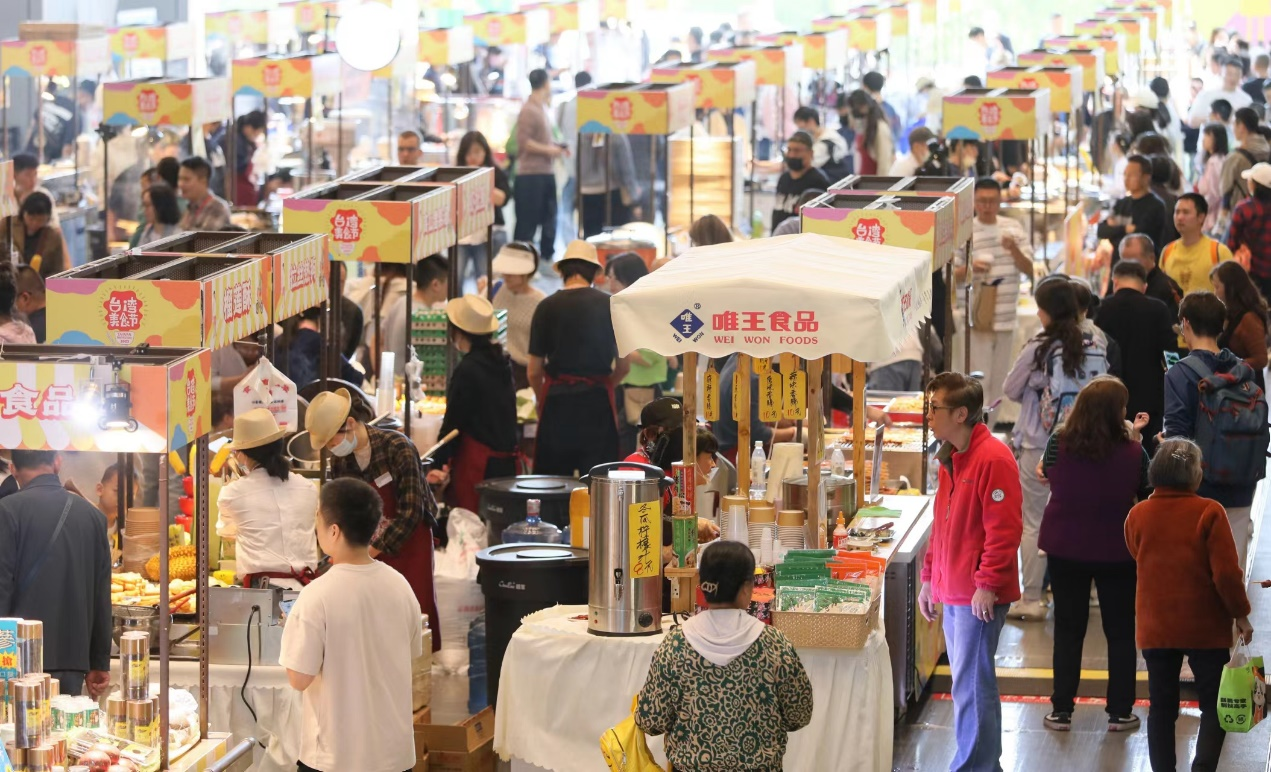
(724, 687)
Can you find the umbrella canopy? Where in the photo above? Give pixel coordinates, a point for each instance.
(806, 295)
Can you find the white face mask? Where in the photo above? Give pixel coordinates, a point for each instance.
(347, 446)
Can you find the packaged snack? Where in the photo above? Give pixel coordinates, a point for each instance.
(796, 598)
(840, 600)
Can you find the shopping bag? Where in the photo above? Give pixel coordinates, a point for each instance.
(625, 748)
(1242, 693)
(265, 386)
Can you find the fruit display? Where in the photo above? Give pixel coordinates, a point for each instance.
(181, 564)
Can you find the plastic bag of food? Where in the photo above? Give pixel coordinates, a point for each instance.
(796, 598)
(265, 386)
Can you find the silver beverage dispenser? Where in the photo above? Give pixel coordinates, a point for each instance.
(625, 596)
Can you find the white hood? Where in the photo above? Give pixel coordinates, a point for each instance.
(722, 635)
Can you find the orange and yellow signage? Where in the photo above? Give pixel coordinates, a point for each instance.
(163, 102)
(394, 224)
(449, 46)
(1064, 84)
(1090, 60)
(310, 16)
(933, 13)
(645, 108)
(44, 406)
(8, 202)
(1113, 49)
(576, 15)
(238, 26)
(1165, 7)
(1150, 19)
(718, 85)
(992, 114)
(1128, 29)
(304, 76)
(960, 189)
(45, 58)
(168, 42)
(523, 28)
(928, 224)
(780, 66)
(821, 50)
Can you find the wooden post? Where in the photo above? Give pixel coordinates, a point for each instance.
(742, 400)
(858, 431)
(816, 443)
(690, 408)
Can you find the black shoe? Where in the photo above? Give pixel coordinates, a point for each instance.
(1059, 721)
(1123, 723)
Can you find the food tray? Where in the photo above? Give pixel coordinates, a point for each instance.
(901, 411)
(825, 630)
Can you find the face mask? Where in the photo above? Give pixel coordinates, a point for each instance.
(794, 164)
(346, 446)
(663, 451)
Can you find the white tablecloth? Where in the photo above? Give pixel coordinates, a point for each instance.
(277, 706)
(561, 688)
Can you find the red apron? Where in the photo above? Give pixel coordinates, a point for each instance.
(599, 381)
(304, 577)
(414, 561)
(467, 469)
(245, 192)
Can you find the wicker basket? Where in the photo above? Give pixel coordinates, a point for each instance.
(812, 630)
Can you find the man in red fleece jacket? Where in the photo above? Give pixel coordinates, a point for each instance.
(971, 565)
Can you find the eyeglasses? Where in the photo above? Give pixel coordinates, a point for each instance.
(934, 407)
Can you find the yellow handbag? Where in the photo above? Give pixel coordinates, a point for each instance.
(625, 748)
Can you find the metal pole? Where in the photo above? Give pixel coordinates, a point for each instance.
(608, 149)
(339, 134)
(666, 192)
(410, 346)
(231, 157)
(578, 187)
(489, 262)
(379, 308)
(692, 180)
(1032, 192)
(202, 590)
(754, 155)
(165, 618)
(312, 100)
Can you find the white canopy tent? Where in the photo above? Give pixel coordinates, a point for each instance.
(806, 295)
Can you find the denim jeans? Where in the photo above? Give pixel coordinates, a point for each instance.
(977, 706)
(535, 202)
(1163, 668)
(472, 259)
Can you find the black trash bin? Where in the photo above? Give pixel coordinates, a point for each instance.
(519, 579)
(503, 501)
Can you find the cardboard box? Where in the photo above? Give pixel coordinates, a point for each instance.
(422, 764)
(423, 716)
(466, 747)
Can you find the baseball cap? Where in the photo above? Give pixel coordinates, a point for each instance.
(666, 413)
(1260, 173)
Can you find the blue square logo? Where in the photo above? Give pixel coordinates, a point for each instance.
(686, 323)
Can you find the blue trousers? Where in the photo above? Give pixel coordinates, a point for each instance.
(977, 707)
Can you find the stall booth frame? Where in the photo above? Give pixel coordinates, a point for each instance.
(309, 17)
(238, 26)
(936, 229)
(183, 376)
(1152, 25)
(518, 32)
(166, 43)
(47, 59)
(801, 377)
(777, 66)
(824, 55)
(1130, 33)
(655, 109)
(995, 114)
(151, 102)
(443, 47)
(1090, 61)
(8, 201)
(427, 227)
(1113, 50)
(868, 32)
(733, 86)
(1064, 85)
(302, 76)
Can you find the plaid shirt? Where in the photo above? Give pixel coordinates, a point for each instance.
(1251, 227)
(211, 215)
(393, 454)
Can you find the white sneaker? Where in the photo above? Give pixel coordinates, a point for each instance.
(1027, 611)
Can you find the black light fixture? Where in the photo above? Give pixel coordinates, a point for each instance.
(117, 404)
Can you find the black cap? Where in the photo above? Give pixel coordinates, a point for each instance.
(666, 413)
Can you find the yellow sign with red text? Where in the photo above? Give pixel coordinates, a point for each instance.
(1128, 29)
(238, 26)
(988, 115)
(46, 58)
(718, 85)
(1063, 83)
(960, 189)
(646, 108)
(1090, 60)
(310, 16)
(1155, 6)
(523, 28)
(1113, 49)
(402, 224)
(302, 275)
(168, 42)
(288, 76)
(450, 46)
(780, 66)
(917, 223)
(166, 102)
(821, 50)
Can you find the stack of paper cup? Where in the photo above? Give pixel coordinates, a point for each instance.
(786, 462)
(731, 508)
(762, 515)
(790, 523)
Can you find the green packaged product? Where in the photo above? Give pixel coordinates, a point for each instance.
(796, 598)
(840, 600)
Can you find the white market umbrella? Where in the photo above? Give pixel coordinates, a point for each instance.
(807, 295)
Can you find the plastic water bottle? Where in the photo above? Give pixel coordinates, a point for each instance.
(838, 464)
(477, 673)
(756, 225)
(757, 461)
(532, 528)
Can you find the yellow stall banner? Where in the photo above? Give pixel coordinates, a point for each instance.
(796, 393)
(769, 395)
(710, 394)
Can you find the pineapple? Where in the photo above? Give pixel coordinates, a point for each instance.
(182, 564)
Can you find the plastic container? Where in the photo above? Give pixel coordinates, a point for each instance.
(532, 529)
(478, 698)
(838, 464)
(840, 532)
(758, 460)
(579, 517)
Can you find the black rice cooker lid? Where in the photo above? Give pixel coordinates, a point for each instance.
(532, 486)
(528, 554)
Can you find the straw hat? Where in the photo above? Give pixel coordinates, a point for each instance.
(580, 250)
(326, 415)
(255, 428)
(472, 314)
(514, 261)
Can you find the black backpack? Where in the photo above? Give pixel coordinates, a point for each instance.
(836, 168)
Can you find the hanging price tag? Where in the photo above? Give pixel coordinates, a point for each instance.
(761, 365)
(769, 397)
(710, 394)
(796, 393)
(789, 363)
(738, 385)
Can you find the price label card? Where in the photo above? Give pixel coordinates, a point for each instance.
(710, 394)
(644, 529)
(796, 391)
(738, 385)
(761, 365)
(769, 397)
(789, 363)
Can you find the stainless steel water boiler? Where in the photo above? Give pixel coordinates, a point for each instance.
(625, 596)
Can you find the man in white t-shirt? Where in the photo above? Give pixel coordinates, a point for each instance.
(1232, 71)
(1000, 253)
(348, 645)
